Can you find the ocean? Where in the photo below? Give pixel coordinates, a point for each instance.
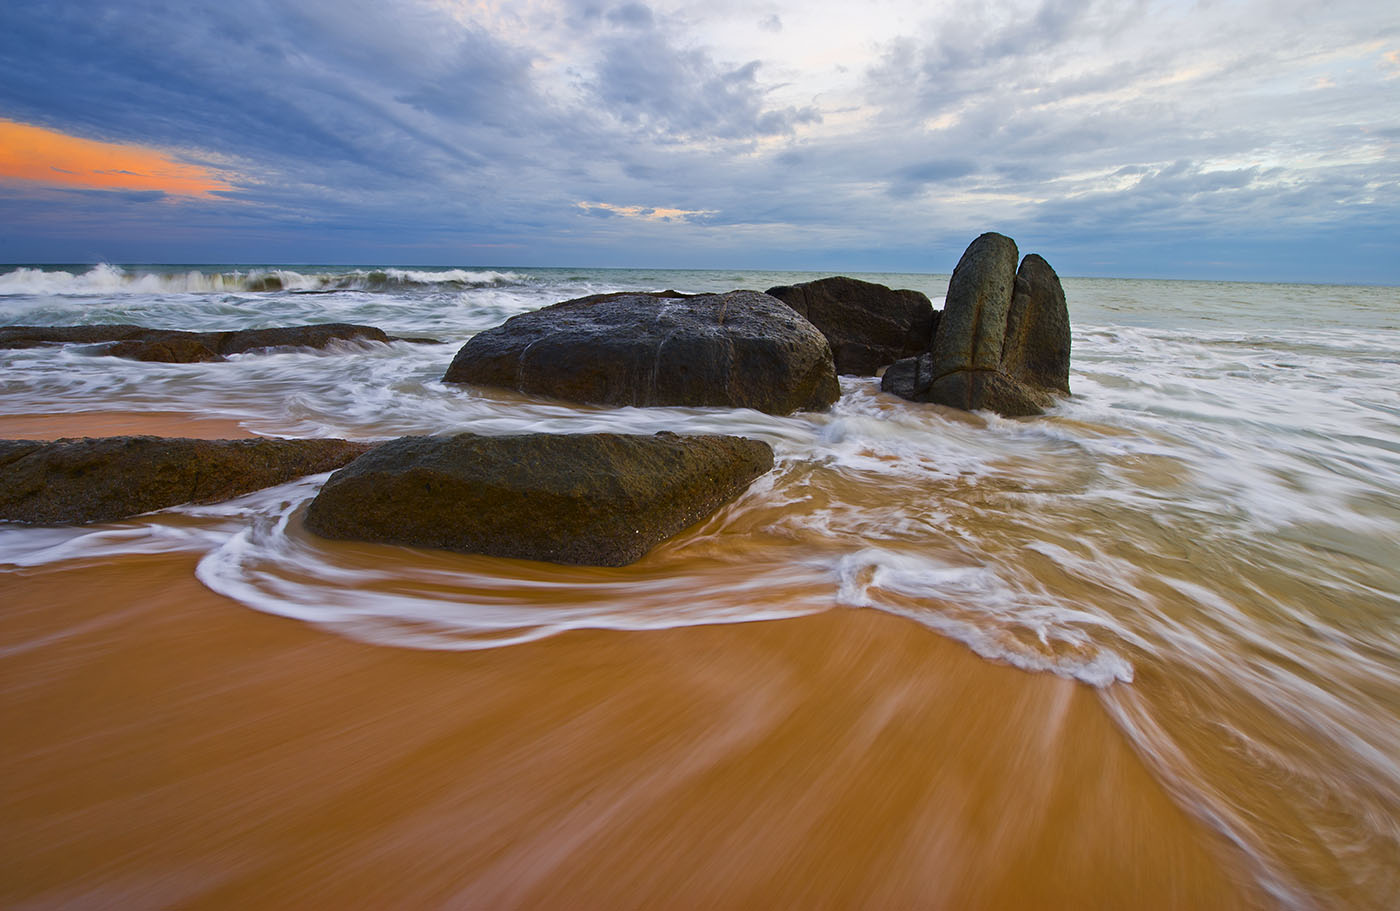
(1206, 533)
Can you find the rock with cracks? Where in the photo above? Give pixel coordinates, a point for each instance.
(742, 349)
(868, 325)
(600, 499)
(100, 479)
(1003, 342)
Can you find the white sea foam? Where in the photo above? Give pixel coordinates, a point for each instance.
(433, 600)
(105, 279)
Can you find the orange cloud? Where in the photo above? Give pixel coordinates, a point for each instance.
(650, 213)
(48, 157)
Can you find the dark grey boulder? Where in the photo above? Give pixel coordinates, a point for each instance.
(181, 347)
(909, 377)
(100, 479)
(599, 499)
(1036, 349)
(974, 312)
(742, 349)
(1004, 339)
(868, 325)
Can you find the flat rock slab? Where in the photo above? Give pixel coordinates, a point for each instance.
(742, 349)
(600, 499)
(868, 325)
(176, 346)
(101, 479)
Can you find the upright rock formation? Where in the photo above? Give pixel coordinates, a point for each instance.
(99, 479)
(1003, 341)
(741, 350)
(1036, 349)
(598, 499)
(868, 324)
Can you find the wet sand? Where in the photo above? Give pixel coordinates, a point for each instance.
(118, 423)
(165, 746)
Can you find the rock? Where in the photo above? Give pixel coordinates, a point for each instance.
(99, 479)
(868, 325)
(34, 336)
(1003, 341)
(174, 350)
(909, 377)
(1036, 350)
(742, 349)
(318, 336)
(181, 347)
(973, 326)
(988, 390)
(597, 499)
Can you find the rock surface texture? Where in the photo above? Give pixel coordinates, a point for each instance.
(599, 499)
(180, 347)
(868, 325)
(1003, 342)
(100, 479)
(742, 349)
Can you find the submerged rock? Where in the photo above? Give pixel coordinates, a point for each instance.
(868, 325)
(743, 349)
(180, 347)
(175, 349)
(599, 499)
(1003, 342)
(100, 479)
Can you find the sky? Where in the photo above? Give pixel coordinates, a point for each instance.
(1215, 140)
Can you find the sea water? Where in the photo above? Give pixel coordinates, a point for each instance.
(1207, 531)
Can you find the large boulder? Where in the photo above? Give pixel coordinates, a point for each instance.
(868, 325)
(742, 349)
(182, 347)
(600, 499)
(1003, 341)
(100, 479)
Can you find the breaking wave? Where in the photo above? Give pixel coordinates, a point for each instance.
(109, 279)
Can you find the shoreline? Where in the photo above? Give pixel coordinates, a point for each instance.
(172, 747)
(167, 746)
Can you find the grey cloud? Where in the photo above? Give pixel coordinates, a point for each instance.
(685, 94)
(937, 170)
(631, 15)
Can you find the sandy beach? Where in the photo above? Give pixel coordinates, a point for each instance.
(169, 747)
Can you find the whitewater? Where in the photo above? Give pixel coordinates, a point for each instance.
(1207, 532)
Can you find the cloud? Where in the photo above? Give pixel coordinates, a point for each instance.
(675, 93)
(649, 213)
(49, 157)
(814, 133)
(631, 15)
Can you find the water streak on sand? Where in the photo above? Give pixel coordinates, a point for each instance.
(1208, 532)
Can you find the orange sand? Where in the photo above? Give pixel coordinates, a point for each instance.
(164, 746)
(118, 423)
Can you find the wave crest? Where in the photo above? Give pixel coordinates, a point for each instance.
(109, 279)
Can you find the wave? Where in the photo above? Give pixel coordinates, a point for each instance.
(108, 279)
